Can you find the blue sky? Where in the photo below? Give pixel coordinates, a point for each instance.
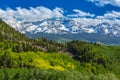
(90, 11)
(97, 7)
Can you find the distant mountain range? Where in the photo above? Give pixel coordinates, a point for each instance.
(65, 29)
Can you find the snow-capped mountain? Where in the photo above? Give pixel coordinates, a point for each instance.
(70, 28)
(57, 22)
(66, 26)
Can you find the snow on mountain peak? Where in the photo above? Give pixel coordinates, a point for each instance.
(42, 19)
(66, 25)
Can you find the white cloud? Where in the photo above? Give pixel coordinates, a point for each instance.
(32, 14)
(80, 13)
(39, 13)
(110, 15)
(105, 2)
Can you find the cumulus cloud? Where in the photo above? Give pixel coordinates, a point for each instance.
(106, 2)
(110, 15)
(20, 15)
(79, 13)
(32, 14)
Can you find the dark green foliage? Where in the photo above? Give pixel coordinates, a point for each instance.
(10, 34)
(40, 74)
(49, 45)
(99, 58)
(22, 58)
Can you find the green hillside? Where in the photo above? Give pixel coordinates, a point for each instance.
(22, 58)
(8, 33)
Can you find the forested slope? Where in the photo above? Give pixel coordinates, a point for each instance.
(22, 58)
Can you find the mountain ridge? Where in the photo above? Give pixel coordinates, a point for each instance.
(70, 25)
(73, 26)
